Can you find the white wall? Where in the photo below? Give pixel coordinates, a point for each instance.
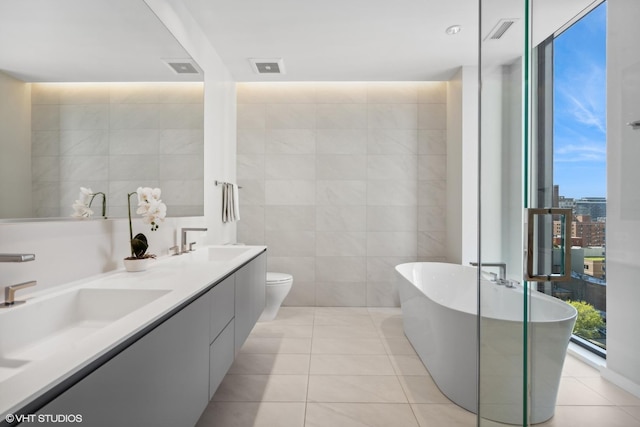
(71, 250)
(462, 167)
(15, 148)
(623, 198)
(219, 112)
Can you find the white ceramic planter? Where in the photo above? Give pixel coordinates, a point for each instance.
(135, 265)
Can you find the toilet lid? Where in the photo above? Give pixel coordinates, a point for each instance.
(278, 277)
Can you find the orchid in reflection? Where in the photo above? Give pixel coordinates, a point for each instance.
(153, 211)
(82, 206)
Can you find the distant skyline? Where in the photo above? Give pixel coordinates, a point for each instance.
(579, 130)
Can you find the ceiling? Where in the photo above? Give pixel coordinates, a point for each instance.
(86, 41)
(329, 40)
(368, 40)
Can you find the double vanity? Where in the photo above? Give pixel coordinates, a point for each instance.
(144, 349)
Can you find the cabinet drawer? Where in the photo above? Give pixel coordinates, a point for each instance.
(222, 298)
(221, 354)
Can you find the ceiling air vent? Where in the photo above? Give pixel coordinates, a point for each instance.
(182, 66)
(501, 27)
(267, 66)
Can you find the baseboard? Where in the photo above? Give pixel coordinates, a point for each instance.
(621, 381)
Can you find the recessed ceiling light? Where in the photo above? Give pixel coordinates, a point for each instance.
(182, 66)
(267, 65)
(454, 29)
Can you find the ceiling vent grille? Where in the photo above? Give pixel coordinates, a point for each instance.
(501, 27)
(267, 65)
(182, 66)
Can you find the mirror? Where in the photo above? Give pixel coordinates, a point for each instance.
(97, 94)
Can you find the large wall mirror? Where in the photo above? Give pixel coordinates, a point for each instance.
(95, 94)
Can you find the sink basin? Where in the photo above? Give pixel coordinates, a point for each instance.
(41, 327)
(227, 253)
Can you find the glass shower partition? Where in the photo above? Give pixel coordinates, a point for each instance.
(524, 241)
(502, 379)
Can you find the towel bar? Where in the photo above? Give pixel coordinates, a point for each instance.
(223, 182)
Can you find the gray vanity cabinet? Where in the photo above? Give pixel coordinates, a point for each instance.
(157, 381)
(168, 376)
(221, 333)
(250, 297)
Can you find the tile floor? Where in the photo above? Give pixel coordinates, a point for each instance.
(353, 367)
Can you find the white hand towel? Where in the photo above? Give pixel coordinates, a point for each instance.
(236, 203)
(225, 202)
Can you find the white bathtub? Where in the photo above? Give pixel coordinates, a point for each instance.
(439, 307)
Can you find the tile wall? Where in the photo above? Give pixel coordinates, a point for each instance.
(115, 137)
(342, 181)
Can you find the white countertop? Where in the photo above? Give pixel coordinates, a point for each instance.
(182, 277)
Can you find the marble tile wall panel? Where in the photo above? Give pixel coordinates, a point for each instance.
(343, 181)
(115, 137)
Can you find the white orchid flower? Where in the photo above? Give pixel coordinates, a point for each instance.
(81, 206)
(155, 193)
(85, 195)
(81, 210)
(150, 206)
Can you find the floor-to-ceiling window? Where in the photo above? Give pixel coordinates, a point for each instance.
(579, 167)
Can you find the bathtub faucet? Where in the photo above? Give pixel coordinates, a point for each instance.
(503, 269)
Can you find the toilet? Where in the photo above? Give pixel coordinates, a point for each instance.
(278, 286)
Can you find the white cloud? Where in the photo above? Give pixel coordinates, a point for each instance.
(583, 94)
(580, 153)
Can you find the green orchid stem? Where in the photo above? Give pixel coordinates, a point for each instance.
(130, 226)
(104, 202)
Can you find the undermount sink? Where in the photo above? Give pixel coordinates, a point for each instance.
(227, 253)
(41, 327)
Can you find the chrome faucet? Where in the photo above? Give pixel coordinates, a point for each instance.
(17, 257)
(498, 279)
(10, 291)
(501, 265)
(184, 247)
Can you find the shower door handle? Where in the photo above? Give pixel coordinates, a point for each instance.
(565, 276)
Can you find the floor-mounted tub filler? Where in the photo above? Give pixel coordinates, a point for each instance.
(439, 308)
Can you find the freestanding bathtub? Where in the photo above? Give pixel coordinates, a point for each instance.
(439, 307)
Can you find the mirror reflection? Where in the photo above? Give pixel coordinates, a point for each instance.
(90, 97)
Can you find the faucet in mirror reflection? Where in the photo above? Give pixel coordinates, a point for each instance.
(230, 201)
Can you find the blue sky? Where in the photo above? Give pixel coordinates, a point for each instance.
(580, 107)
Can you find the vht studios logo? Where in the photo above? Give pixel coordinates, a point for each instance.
(43, 418)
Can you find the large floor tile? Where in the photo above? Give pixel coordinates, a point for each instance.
(262, 388)
(347, 346)
(294, 316)
(610, 391)
(443, 415)
(398, 345)
(576, 368)
(270, 364)
(591, 416)
(359, 415)
(255, 344)
(360, 388)
(331, 364)
(408, 364)
(339, 316)
(634, 411)
(573, 392)
(422, 389)
(345, 331)
(283, 330)
(250, 414)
